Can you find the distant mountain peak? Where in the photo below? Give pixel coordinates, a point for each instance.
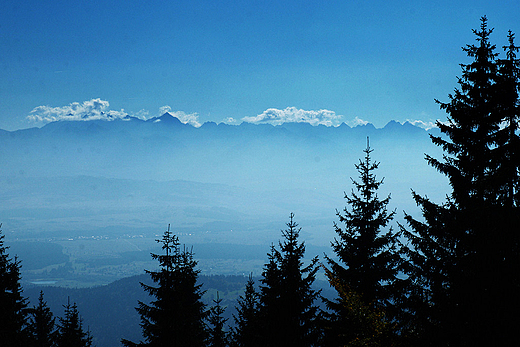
(166, 118)
(393, 124)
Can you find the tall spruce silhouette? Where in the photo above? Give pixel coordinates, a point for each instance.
(70, 329)
(463, 257)
(13, 305)
(507, 150)
(218, 337)
(288, 315)
(246, 332)
(175, 316)
(367, 253)
(41, 326)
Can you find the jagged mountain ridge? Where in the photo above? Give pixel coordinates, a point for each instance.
(68, 148)
(70, 175)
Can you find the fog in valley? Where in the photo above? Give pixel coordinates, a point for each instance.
(82, 202)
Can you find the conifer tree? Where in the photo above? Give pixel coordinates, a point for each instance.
(246, 332)
(217, 335)
(360, 325)
(473, 122)
(13, 305)
(368, 258)
(70, 329)
(287, 313)
(463, 258)
(427, 298)
(366, 250)
(507, 149)
(509, 174)
(175, 317)
(41, 325)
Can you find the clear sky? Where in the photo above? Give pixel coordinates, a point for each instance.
(331, 61)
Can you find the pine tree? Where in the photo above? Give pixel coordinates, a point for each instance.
(473, 122)
(426, 302)
(507, 150)
(366, 250)
(360, 324)
(176, 315)
(246, 332)
(368, 258)
(13, 318)
(508, 147)
(288, 316)
(217, 336)
(70, 329)
(41, 326)
(463, 258)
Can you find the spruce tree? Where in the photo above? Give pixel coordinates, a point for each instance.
(367, 254)
(41, 325)
(360, 324)
(13, 305)
(507, 149)
(463, 257)
(287, 313)
(217, 334)
(246, 332)
(70, 329)
(175, 316)
(428, 258)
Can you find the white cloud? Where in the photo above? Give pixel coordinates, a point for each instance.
(142, 114)
(186, 118)
(230, 120)
(426, 125)
(355, 122)
(164, 109)
(95, 109)
(276, 116)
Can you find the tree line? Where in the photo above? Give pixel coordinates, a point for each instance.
(451, 278)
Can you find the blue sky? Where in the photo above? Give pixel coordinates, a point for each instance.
(330, 61)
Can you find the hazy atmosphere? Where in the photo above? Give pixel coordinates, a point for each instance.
(219, 120)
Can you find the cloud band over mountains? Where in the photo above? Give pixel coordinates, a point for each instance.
(186, 118)
(98, 109)
(276, 116)
(95, 109)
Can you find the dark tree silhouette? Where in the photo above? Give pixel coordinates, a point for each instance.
(176, 315)
(13, 305)
(41, 325)
(70, 329)
(507, 150)
(463, 258)
(217, 334)
(368, 257)
(246, 332)
(360, 324)
(288, 316)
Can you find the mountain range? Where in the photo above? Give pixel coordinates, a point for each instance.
(102, 176)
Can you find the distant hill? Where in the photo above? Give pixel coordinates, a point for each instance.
(89, 175)
(108, 311)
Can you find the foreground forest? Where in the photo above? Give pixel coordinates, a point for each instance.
(451, 278)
